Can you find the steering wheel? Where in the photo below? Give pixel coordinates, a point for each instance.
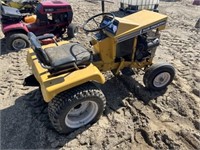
(111, 15)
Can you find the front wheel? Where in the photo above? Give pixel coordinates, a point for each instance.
(159, 76)
(72, 30)
(17, 41)
(76, 108)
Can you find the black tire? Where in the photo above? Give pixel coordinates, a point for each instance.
(163, 71)
(197, 25)
(72, 30)
(11, 41)
(60, 107)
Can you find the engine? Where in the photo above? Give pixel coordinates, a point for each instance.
(146, 47)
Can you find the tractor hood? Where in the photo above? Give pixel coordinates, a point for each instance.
(53, 6)
(136, 24)
(142, 20)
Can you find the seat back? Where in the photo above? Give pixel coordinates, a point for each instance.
(37, 48)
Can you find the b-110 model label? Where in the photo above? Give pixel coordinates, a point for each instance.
(152, 27)
(142, 31)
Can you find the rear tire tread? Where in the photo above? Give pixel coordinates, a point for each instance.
(11, 36)
(57, 105)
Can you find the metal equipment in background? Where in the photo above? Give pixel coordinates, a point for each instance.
(131, 6)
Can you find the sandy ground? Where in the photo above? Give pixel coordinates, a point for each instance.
(135, 118)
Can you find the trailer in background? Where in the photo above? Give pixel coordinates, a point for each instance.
(132, 6)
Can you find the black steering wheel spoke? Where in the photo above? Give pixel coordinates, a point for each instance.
(97, 23)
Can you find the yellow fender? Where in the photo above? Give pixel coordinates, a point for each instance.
(51, 86)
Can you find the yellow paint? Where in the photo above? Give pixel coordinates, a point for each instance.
(105, 49)
(15, 4)
(51, 86)
(139, 21)
(134, 48)
(30, 19)
(128, 25)
(121, 66)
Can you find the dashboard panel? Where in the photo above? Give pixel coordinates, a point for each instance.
(112, 28)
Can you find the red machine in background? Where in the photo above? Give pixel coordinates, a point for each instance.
(50, 17)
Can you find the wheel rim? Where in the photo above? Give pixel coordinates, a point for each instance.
(81, 114)
(75, 31)
(162, 79)
(19, 44)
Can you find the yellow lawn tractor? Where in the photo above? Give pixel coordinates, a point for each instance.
(24, 6)
(67, 72)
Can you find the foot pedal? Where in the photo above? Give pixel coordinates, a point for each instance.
(127, 71)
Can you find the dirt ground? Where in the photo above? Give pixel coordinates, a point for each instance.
(135, 118)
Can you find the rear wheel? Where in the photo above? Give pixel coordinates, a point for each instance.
(159, 76)
(17, 41)
(76, 107)
(72, 30)
(197, 25)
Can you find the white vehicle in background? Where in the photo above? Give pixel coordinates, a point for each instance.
(132, 6)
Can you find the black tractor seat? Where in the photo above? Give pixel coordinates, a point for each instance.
(66, 56)
(10, 15)
(11, 12)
